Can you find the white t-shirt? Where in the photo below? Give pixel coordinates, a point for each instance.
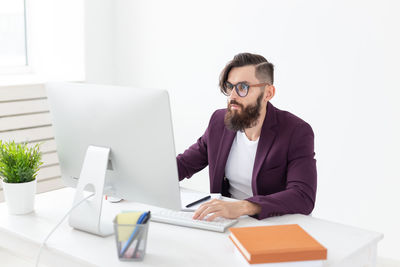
(239, 166)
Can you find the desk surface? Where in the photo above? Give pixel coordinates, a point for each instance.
(167, 245)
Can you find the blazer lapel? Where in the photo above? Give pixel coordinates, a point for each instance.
(266, 139)
(223, 152)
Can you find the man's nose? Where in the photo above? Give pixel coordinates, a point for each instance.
(234, 95)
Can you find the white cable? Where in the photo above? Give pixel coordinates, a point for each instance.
(51, 232)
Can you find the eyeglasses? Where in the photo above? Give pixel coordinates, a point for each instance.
(242, 88)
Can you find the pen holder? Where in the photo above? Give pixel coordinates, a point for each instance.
(131, 240)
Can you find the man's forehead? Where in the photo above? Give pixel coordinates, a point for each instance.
(240, 74)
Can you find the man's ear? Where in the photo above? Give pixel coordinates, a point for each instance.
(270, 92)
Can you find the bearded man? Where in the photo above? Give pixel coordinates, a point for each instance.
(256, 153)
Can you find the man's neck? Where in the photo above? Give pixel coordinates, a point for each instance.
(254, 133)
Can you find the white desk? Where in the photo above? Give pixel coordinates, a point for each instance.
(167, 245)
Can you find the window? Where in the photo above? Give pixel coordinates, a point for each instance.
(12, 34)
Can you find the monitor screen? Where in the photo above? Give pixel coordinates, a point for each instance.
(134, 123)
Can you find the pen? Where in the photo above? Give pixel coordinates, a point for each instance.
(147, 217)
(140, 235)
(198, 201)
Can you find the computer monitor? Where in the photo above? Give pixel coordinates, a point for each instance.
(117, 141)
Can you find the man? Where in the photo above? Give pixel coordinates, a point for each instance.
(256, 153)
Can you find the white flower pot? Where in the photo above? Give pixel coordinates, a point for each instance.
(20, 197)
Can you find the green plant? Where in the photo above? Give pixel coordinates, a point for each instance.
(19, 163)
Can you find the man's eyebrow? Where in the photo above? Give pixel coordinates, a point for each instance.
(239, 82)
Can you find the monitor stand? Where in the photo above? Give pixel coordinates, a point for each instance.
(87, 215)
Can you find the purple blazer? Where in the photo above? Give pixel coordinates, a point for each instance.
(284, 178)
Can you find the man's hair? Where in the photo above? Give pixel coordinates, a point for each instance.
(264, 69)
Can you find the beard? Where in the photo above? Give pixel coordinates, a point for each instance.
(247, 118)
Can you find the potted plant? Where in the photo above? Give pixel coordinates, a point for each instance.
(19, 165)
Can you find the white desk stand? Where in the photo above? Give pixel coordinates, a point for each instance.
(87, 216)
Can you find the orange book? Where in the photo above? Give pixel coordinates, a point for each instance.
(277, 243)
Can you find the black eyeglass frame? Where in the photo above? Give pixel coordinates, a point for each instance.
(244, 85)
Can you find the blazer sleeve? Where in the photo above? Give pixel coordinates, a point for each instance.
(195, 158)
(301, 180)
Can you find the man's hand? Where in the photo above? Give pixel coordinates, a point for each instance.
(226, 209)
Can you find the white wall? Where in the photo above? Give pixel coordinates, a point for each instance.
(336, 65)
(99, 40)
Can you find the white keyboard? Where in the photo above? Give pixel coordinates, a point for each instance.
(183, 218)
